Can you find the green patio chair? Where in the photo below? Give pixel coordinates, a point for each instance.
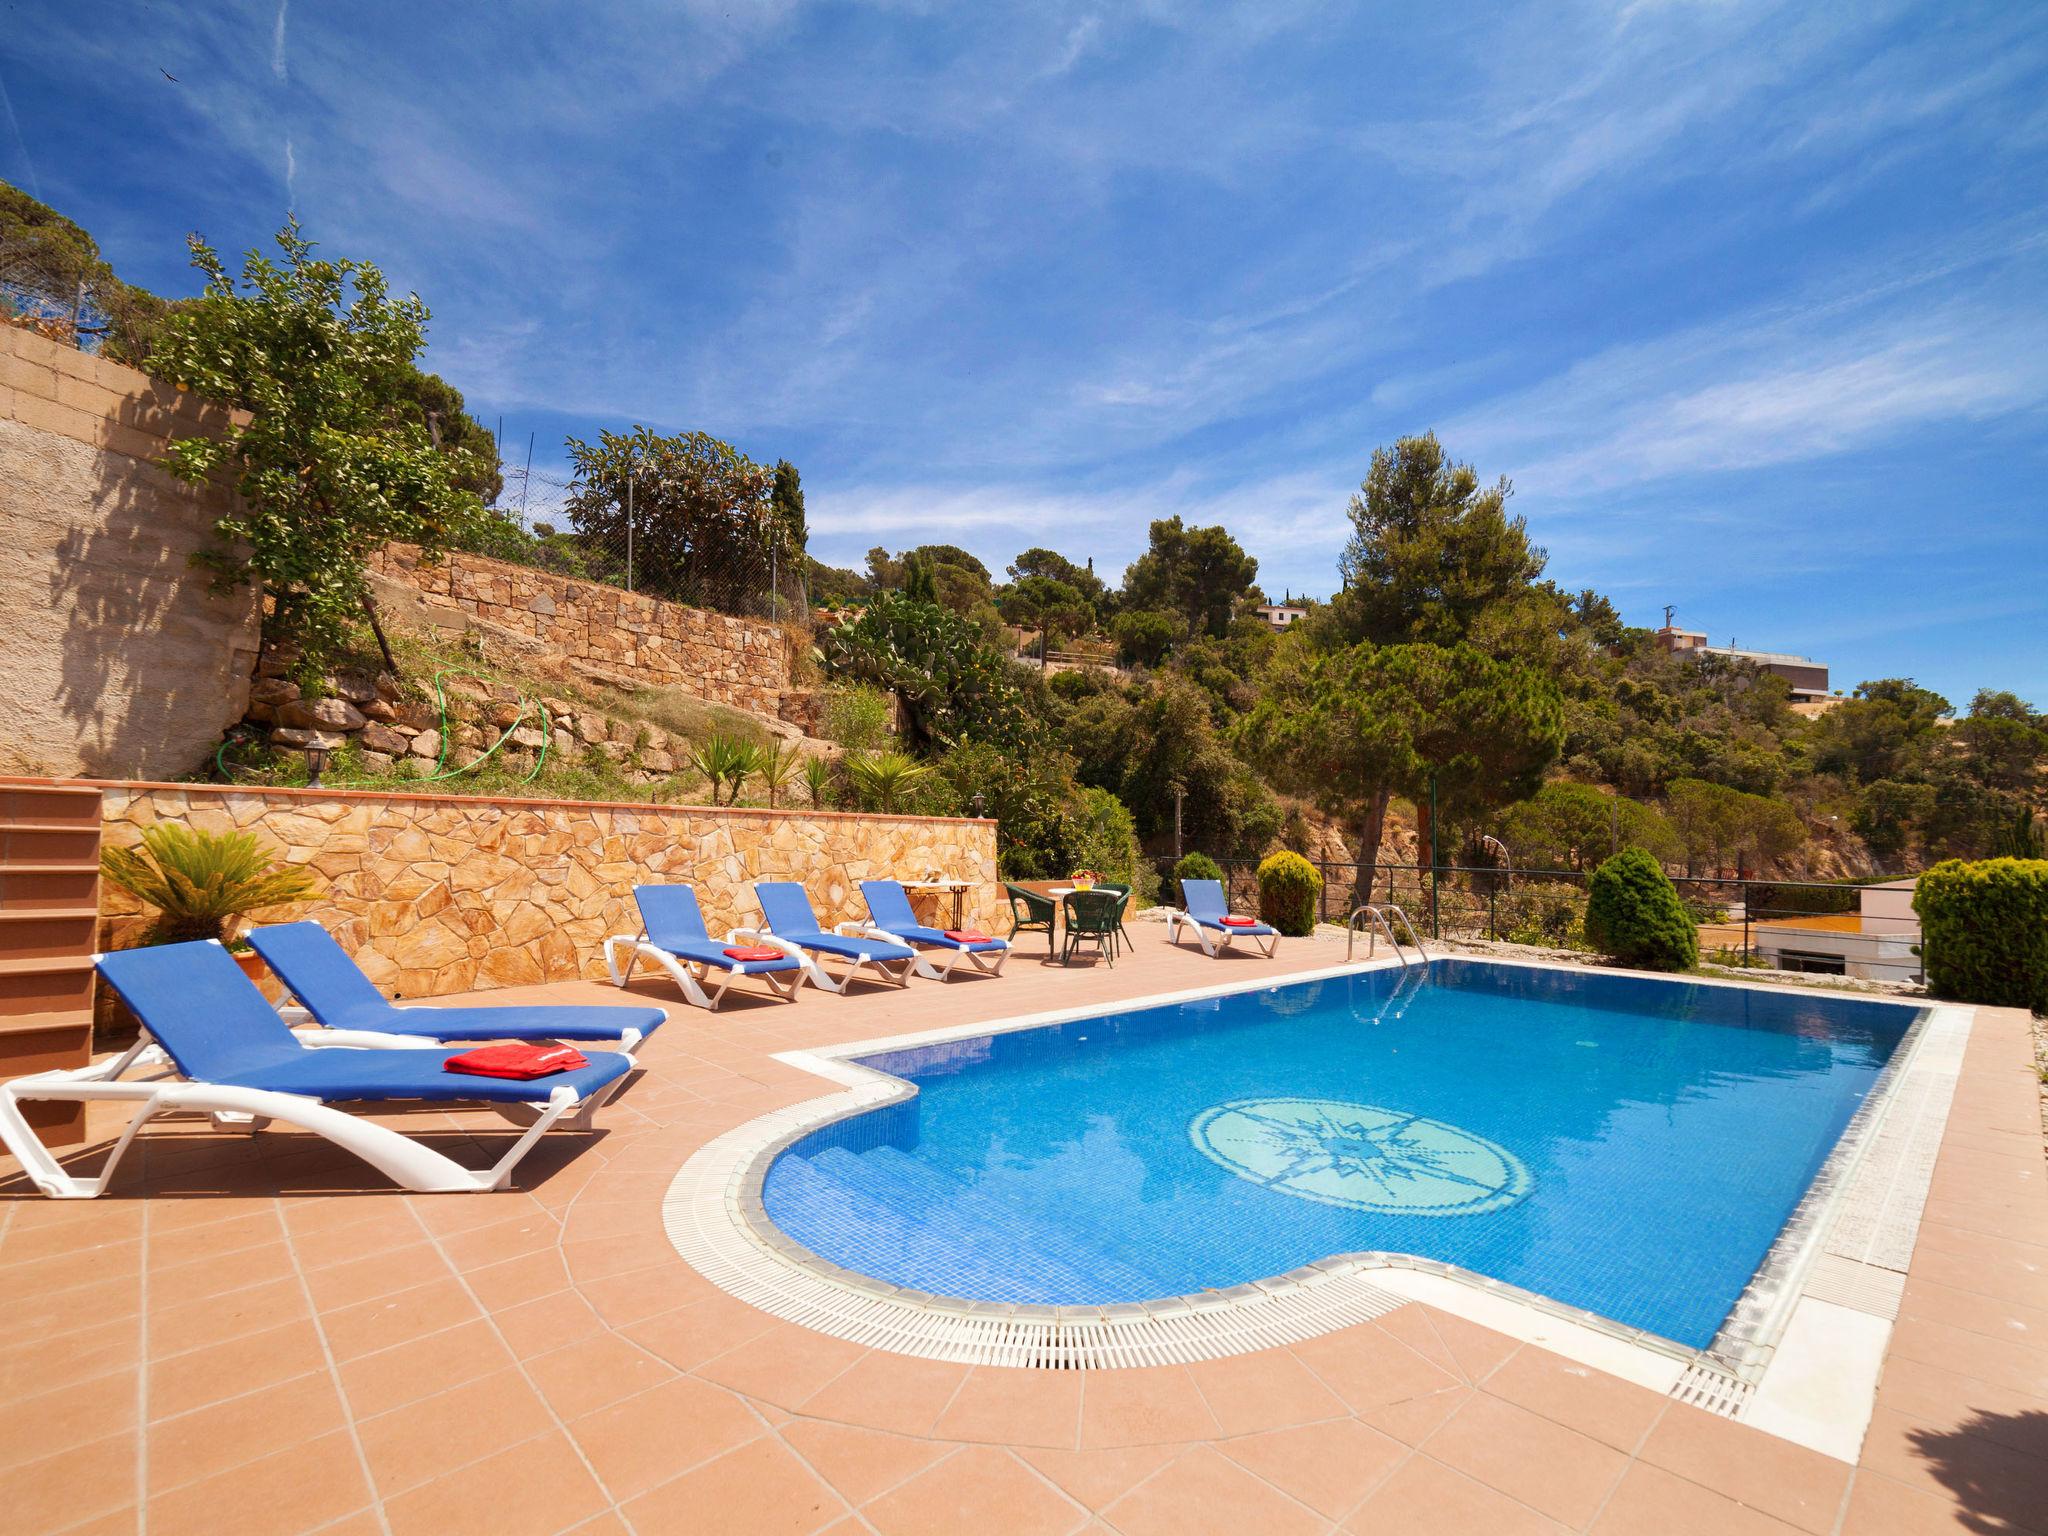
(1030, 913)
(1123, 934)
(1092, 915)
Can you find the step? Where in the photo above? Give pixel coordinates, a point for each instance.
(48, 1042)
(69, 803)
(49, 885)
(47, 1021)
(48, 843)
(34, 933)
(45, 986)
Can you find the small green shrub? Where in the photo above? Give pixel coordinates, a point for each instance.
(1196, 866)
(858, 717)
(1633, 915)
(1984, 931)
(1548, 914)
(1289, 888)
(199, 882)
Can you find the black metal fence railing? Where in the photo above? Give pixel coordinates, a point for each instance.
(1864, 929)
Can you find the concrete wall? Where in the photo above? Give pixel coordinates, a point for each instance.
(608, 632)
(438, 894)
(120, 661)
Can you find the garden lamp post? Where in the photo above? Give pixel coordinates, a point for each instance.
(980, 805)
(316, 764)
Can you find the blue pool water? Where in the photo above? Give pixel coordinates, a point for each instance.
(1630, 1147)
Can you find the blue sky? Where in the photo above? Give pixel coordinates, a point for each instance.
(1749, 300)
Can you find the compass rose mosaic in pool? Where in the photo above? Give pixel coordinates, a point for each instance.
(1360, 1155)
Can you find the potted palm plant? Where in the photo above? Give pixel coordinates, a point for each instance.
(201, 882)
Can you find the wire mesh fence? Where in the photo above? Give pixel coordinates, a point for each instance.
(1857, 929)
(551, 523)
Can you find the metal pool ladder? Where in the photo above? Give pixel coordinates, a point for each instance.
(1380, 920)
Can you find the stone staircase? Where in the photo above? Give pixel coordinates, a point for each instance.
(49, 922)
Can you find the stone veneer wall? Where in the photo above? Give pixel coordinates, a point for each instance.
(441, 894)
(729, 660)
(121, 660)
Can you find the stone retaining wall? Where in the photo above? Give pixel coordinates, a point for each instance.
(441, 894)
(121, 659)
(610, 632)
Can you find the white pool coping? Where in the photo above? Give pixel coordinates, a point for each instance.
(1799, 1356)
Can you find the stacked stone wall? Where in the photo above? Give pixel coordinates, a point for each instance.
(436, 895)
(608, 632)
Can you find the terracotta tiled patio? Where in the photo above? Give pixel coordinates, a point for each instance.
(255, 1335)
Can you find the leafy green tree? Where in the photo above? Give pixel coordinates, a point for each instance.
(329, 465)
(1142, 746)
(1353, 728)
(1144, 636)
(1887, 813)
(954, 685)
(1573, 826)
(53, 277)
(2003, 741)
(958, 580)
(919, 585)
(1038, 561)
(1431, 553)
(786, 506)
(1056, 610)
(1882, 732)
(1722, 826)
(1202, 574)
(704, 529)
(467, 441)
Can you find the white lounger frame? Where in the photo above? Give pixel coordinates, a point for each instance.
(400, 1158)
(685, 973)
(814, 969)
(934, 961)
(1176, 918)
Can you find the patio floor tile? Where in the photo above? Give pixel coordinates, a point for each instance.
(977, 1488)
(1798, 1486)
(1654, 1502)
(1004, 1406)
(315, 1481)
(884, 1391)
(425, 1438)
(392, 1378)
(1559, 1471)
(533, 1489)
(642, 1441)
(1615, 1412)
(233, 1367)
(1330, 1466)
(861, 1463)
(1426, 1496)
(1154, 1406)
(595, 1373)
(1267, 1390)
(761, 1488)
(241, 1429)
(1098, 1478)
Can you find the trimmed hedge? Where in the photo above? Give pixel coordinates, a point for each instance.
(1195, 866)
(1633, 915)
(1984, 931)
(1289, 888)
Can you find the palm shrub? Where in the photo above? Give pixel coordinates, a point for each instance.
(199, 881)
(1196, 866)
(883, 781)
(1289, 888)
(817, 776)
(1633, 915)
(726, 763)
(1984, 931)
(779, 766)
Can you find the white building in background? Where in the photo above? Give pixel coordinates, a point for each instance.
(1877, 942)
(1284, 614)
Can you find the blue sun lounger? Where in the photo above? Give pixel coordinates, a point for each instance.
(890, 917)
(673, 936)
(219, 1048)
(1206, 907)
(338, 995)
(793, 928)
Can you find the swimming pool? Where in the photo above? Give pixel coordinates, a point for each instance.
(1631, 1147)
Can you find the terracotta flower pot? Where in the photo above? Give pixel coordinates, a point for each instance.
(251, 963)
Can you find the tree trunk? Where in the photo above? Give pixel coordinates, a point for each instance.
(1370, 824)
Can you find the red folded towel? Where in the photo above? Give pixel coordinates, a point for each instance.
(1240, 922)
(966, 936)
(753, 952)
(518, 1059)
